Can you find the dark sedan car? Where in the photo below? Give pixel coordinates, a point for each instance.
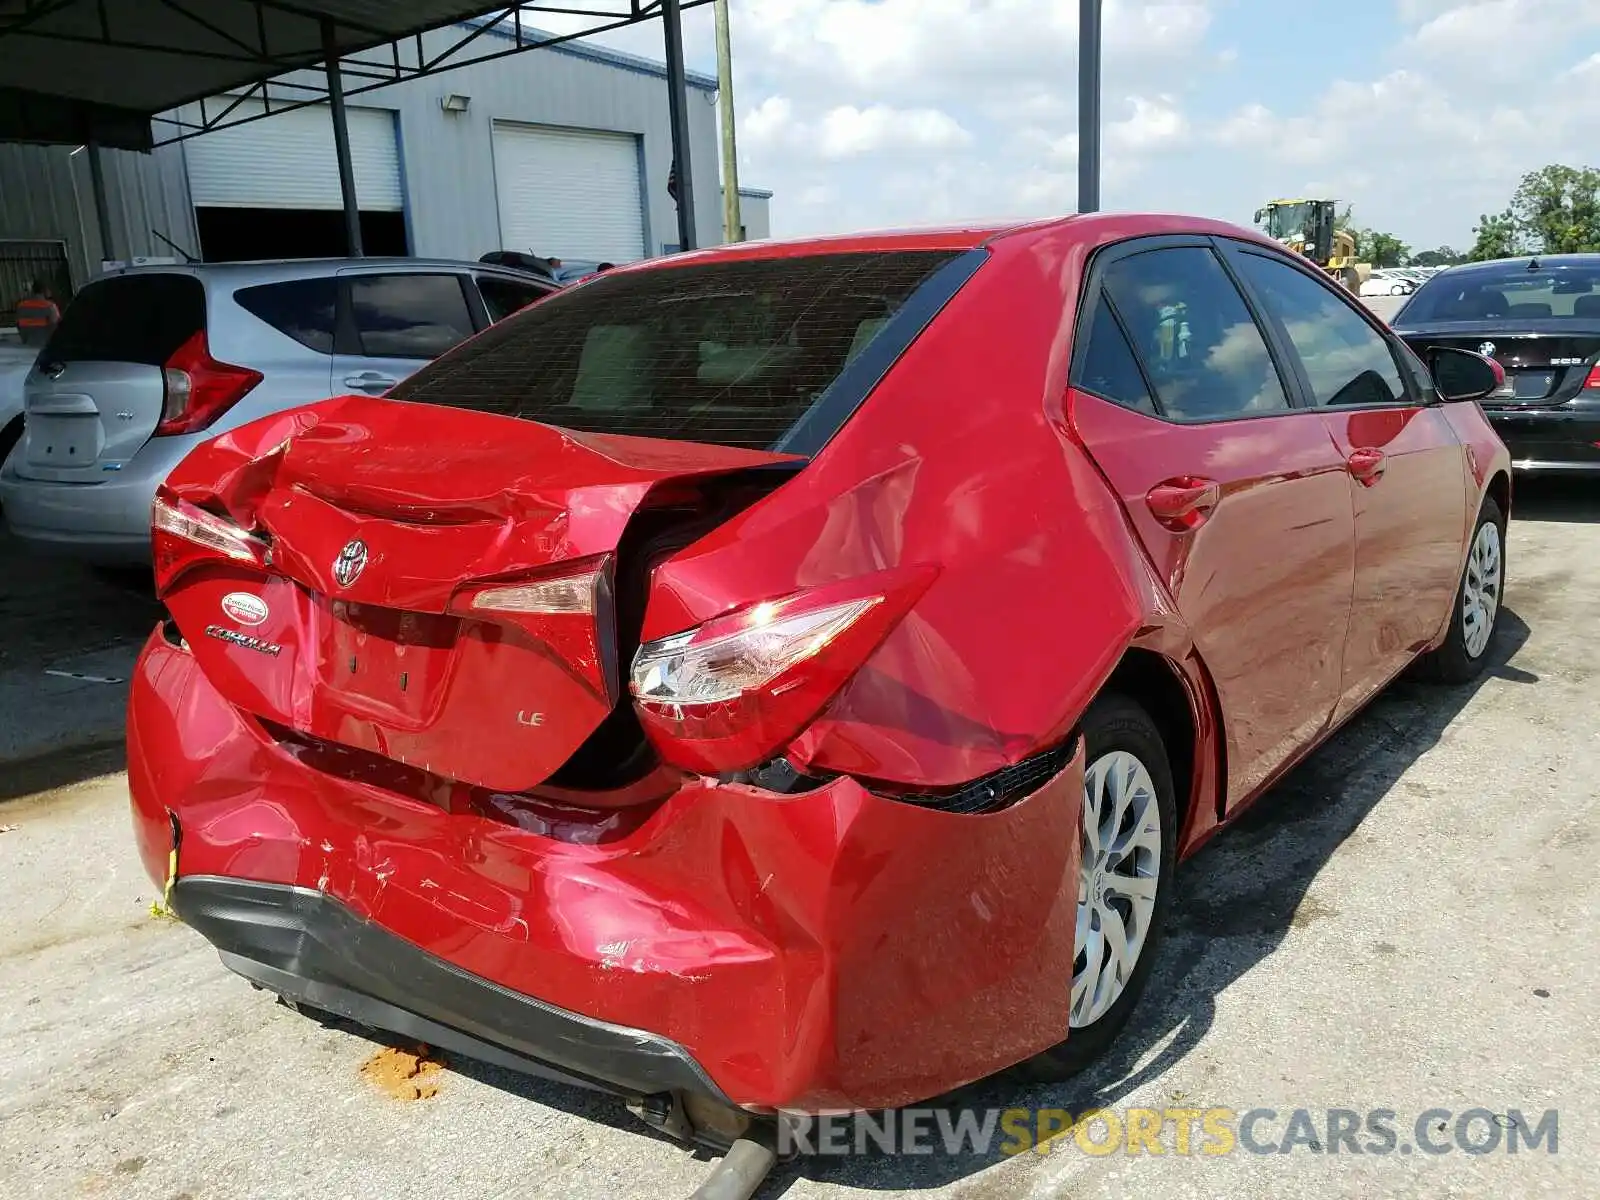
(1540, 319)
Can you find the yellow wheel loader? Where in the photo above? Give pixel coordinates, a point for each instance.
(1307, 227)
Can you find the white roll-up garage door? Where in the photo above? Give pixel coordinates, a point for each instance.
(571, 193)
(287, 161)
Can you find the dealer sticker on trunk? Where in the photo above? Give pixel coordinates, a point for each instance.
(245, 608)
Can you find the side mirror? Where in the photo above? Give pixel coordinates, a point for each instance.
(1463, 375)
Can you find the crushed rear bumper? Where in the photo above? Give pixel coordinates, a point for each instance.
(817, 951)
(309, 948)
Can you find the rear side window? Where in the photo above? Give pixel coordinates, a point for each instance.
(304, 309)
(730, 353)
(1109, 369)
(502, 297)
(1346, 361)
(1202, 350)
(129, 319)
(409, 316)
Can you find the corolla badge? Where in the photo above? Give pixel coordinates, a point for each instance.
(351, 562)
(1487, 349)
(245, 608)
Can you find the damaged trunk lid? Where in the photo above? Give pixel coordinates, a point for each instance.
(452, 590)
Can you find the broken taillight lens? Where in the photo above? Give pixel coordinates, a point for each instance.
(731, 692)
(183, 535)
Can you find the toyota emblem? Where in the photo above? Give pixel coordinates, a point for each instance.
(351, 562)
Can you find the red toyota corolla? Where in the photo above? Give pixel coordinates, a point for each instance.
(784, 676)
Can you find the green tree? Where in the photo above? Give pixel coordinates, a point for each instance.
(1444, 256)
(1497, 237)
(1382, 249)
(1557, 209)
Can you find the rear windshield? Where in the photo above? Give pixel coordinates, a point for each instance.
(1547, 292)
(129, 319)
(730, 353)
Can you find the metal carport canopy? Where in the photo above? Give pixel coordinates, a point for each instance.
(96, 71)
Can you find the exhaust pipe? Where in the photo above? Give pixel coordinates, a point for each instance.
(741, 1171)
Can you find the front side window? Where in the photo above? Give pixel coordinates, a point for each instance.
(409, 316)
(1345, 359)
(730, 353)
(1201, 349)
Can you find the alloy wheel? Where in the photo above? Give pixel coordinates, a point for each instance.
(1117, 882)
(1480, 593)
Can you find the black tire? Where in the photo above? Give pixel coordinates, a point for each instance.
(1116, 722)
(1451, 662)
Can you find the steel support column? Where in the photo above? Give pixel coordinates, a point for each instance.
(102, 208)
(341, 141)
(678, 108)
(1089, 105)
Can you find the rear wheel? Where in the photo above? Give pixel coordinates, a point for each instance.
(1127, 849)
(1465, 650)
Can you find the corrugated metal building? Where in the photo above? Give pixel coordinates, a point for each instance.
(562, 151)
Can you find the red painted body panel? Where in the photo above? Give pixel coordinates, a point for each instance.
(1264, 583)
(1410, 525)
(811, 951)
(830, 947)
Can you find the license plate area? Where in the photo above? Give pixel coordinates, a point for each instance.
(63, 442)
(1531, 385)
(385, 658)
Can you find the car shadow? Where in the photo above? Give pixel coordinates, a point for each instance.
(1237, 900)
(1571, 500)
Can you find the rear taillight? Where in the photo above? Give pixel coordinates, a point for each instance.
(1594, 377)
(198, 388)
(732, 692)
(183, 536)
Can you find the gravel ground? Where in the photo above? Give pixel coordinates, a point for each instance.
(1406, 923)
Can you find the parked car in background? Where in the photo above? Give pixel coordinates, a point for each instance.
(1540, 319)
(785, 676)
(15, 362)
(1387, 283)
(151, 361)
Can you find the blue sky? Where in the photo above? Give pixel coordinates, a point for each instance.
(1421, 113)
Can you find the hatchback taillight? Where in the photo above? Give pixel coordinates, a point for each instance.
(198, 388)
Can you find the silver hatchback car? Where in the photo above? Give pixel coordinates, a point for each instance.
(150, 361)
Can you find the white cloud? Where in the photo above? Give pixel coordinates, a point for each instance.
(848, 131)
(866, 113)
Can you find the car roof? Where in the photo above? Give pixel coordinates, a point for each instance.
(1499, 266)
(269, 270)
(1094, 228)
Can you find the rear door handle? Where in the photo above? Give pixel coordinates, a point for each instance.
(1183, 503)
(369, 381)
(1367, 465)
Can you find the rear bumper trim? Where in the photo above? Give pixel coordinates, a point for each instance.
(311, 949)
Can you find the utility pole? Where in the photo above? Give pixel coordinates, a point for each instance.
(1089, 105)
(678, 111)
(341, 141)
(732, 220)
